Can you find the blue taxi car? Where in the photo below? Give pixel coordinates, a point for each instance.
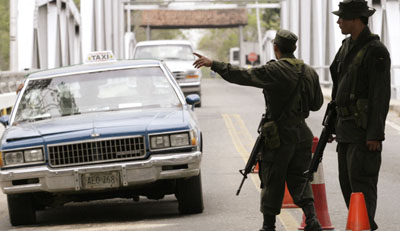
(104, 129)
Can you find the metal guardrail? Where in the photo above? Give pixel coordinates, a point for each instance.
(9, 82)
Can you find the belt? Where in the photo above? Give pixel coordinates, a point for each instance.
(292, 121)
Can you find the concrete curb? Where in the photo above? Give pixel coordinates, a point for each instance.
(394, 103)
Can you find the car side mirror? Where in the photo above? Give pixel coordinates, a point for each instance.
(193, 99)
(4, 120)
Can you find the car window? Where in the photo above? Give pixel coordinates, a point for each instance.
(165, 52)
(94, 92)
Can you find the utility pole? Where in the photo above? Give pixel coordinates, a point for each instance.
(13, 35)
(259, 34)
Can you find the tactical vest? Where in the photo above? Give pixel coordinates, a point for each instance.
(358, 107)
(294, 100)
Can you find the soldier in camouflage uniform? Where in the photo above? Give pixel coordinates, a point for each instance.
(291, 90)
(361, 88)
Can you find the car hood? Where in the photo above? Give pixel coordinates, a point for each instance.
(179, 65)
(105, 124)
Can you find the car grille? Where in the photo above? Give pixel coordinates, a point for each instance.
(96, 151)
(179, 74)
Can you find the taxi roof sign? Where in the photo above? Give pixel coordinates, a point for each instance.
(100, 57)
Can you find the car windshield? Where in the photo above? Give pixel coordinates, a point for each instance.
(95, 92)
(165, 52)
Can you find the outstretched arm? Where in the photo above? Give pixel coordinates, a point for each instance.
(255, 77)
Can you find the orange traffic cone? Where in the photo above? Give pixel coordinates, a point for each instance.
(314, 144)
(358, 216)
(256, 168)
(320, 201)
(288, 200)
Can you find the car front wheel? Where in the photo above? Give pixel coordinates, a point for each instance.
(190, 195)
(21, 209)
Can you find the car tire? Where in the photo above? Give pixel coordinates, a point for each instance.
(21, 209)
(190, 196)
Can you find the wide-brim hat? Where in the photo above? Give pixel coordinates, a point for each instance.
(350, 9)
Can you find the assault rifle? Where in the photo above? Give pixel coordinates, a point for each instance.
(329, 124)
(251, 162)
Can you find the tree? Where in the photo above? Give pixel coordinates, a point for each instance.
(217, 42)
(4, 34)
(78, 3)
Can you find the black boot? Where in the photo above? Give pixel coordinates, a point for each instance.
(269, 223)
(312, 223)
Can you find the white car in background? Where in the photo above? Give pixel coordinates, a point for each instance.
(179, 58)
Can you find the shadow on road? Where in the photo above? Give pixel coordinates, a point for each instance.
(106, 211)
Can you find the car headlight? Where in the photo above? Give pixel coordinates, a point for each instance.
(171, 140)
(33, 155)
(13, 158)
(158, 142)
(181, 139)
(23, 156)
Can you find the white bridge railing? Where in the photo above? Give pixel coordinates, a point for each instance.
(9, 82)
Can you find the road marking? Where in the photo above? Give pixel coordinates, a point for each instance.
(243, 142)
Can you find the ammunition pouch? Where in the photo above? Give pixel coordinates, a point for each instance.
(270, 133)
(359, 111)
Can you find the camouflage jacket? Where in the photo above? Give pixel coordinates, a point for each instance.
(371, 73)
(278, 79)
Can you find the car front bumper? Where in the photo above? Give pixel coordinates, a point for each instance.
(131, 173)
(190, 87)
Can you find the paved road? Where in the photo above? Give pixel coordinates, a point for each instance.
(228, 117)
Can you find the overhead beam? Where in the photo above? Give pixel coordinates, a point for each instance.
(169, 19)
(200, 6)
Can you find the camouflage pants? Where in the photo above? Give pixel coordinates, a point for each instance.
(284, 164)
(358, 172)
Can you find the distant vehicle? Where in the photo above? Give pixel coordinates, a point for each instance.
(178, 55)
(100, 130)
(234, 56)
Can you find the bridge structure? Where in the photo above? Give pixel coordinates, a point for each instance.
(54, 33)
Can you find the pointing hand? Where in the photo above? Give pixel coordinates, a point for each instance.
(202, 61)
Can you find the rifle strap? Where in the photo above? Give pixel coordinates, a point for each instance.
(356, 64)
(289, 103)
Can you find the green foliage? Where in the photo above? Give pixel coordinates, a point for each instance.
(217, 42)
(4, 34)
(271, 19)
(157, 34)
(77, 3)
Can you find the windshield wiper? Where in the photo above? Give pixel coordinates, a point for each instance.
(36, 118)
